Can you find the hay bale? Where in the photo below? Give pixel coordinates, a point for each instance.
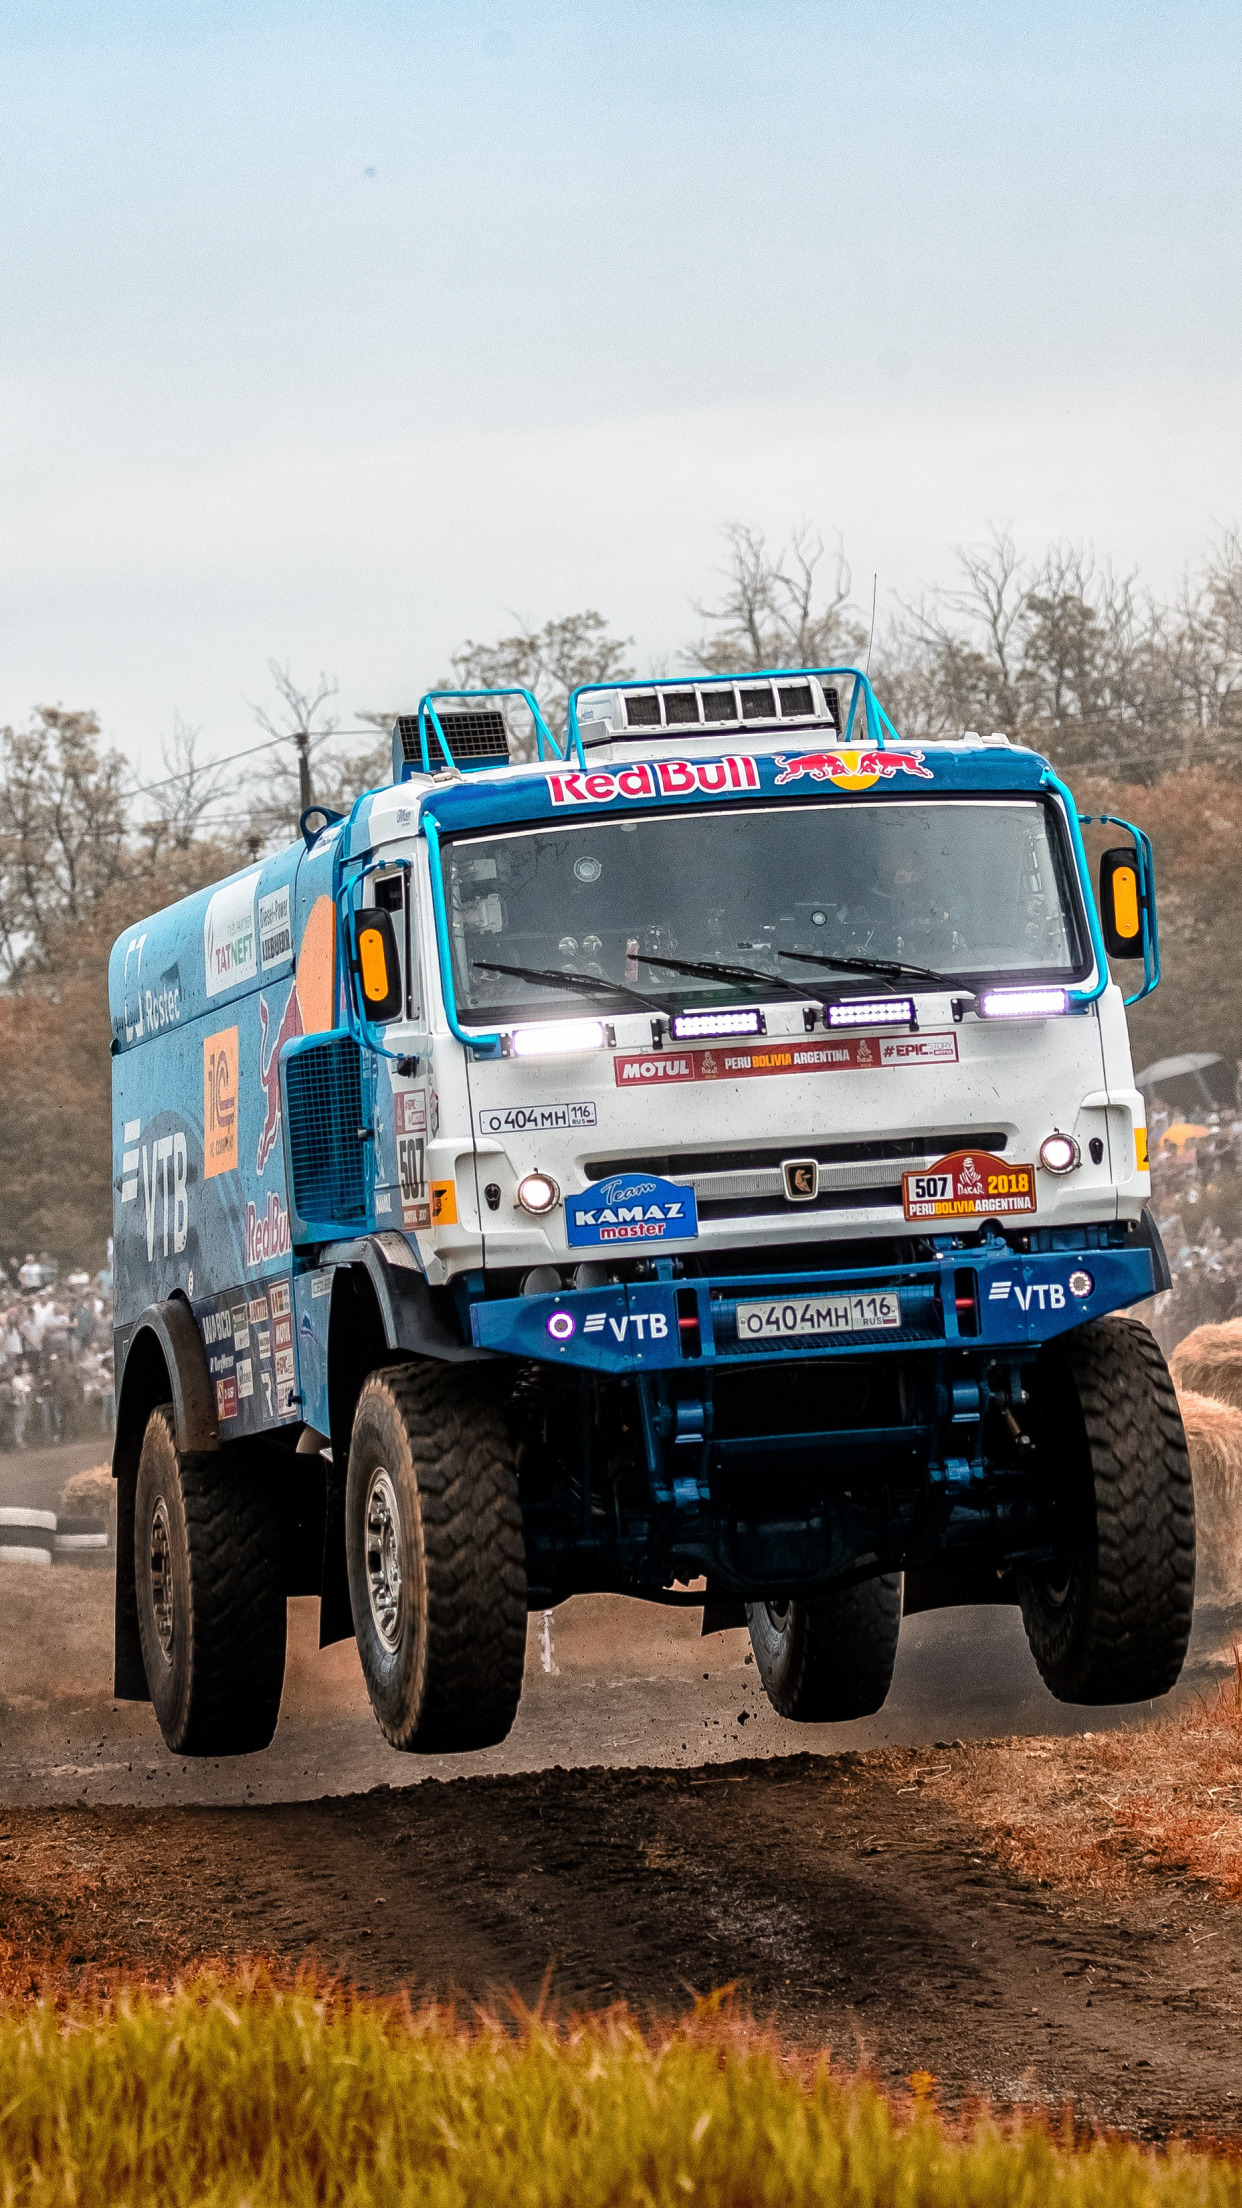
(1209, 1362)
(1214, 1439)
(91, 1495)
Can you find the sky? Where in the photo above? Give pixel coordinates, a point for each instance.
(339, 333)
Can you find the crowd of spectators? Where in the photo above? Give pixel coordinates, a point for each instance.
(55, 1353)
(1196, 1196)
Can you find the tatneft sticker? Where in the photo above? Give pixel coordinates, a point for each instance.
(652, 1069)
(631, 1207)
(965, 1184)
(525, 1119)
(229, 947)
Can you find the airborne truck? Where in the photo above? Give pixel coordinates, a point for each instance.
(701, 1162)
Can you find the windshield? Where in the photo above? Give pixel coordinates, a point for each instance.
(966, 889)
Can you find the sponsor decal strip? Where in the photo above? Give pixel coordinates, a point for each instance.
(654, 1069)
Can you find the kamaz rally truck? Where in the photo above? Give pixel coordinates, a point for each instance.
(701, 1163)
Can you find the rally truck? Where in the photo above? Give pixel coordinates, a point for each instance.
(698, 1159)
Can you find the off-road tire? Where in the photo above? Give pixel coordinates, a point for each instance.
(441, 1625)
(211, 1597)
(826, 1658)
(1110, 1620)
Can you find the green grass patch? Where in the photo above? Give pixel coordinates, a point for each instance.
(237, 2090)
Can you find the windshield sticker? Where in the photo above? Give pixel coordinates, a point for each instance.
(529, 1119)
(852, 1052)
(966, 1185)
(656, 778)
(851, 770)
(631, 1207)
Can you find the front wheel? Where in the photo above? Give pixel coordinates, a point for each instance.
(437, 1575)
(1109, 1619)
(826, 1658)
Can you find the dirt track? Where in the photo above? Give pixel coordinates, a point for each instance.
(842, 1892)
(851, 1912)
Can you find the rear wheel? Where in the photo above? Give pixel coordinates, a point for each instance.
(437, 1575)
(210, 1589)
(826, 1658)
(1109, 1619)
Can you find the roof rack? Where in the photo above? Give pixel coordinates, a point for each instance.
(705, 704)
(470, 734)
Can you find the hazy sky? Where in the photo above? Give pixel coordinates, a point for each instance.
(337, 332)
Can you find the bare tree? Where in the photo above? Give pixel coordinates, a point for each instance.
(63, 831)
(300, 721)
(550, 662)
(771, 613)
(176, 814)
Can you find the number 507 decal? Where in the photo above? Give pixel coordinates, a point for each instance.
(968, 1184)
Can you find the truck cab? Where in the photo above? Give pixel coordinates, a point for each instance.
(699, 1161)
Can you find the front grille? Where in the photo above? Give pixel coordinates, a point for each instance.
(749, 1184)
(323, 1089)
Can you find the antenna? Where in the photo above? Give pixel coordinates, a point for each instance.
(875, 581)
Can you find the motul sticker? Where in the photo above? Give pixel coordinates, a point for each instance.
(655, 1069)
(967, 1184)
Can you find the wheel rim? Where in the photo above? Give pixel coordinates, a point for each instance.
(384, 1584)
(162, 1579)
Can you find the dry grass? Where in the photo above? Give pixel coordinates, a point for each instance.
(241, 2090)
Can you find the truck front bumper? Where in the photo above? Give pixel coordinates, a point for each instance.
(987, 1298)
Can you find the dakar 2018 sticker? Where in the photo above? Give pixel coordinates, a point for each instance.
(966, 1185)
(653, 1069)
(631, 1207)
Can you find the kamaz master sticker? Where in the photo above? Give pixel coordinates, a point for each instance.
(968, 1184)
(631, 1207)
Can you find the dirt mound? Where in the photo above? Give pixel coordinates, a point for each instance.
(1209, 1362)
(90, 1494)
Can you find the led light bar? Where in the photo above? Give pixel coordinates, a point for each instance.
(686, 1025)
(872, 1012)
(549, 1036)
(1022, 1004)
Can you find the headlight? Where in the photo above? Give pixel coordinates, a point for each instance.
(1022, 1004)
(1059, 1153)
(538, 1193)
(549, 1036)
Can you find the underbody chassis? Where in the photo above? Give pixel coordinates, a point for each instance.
(659, 1443)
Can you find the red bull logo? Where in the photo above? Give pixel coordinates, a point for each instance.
(270, 1047)
(852, 769)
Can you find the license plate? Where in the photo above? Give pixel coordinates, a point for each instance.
(811, 1315)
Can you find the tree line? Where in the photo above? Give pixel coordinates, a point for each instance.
(1121, 688)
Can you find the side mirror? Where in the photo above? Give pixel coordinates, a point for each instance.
(1122, 902)
(377, 964)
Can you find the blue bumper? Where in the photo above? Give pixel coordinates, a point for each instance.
(988, 1299)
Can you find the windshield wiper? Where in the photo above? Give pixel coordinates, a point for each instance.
(867, 965)
(561, 977)
(712, 970)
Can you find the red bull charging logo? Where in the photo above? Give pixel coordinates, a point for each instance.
(853, 769)
(270, 1047)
